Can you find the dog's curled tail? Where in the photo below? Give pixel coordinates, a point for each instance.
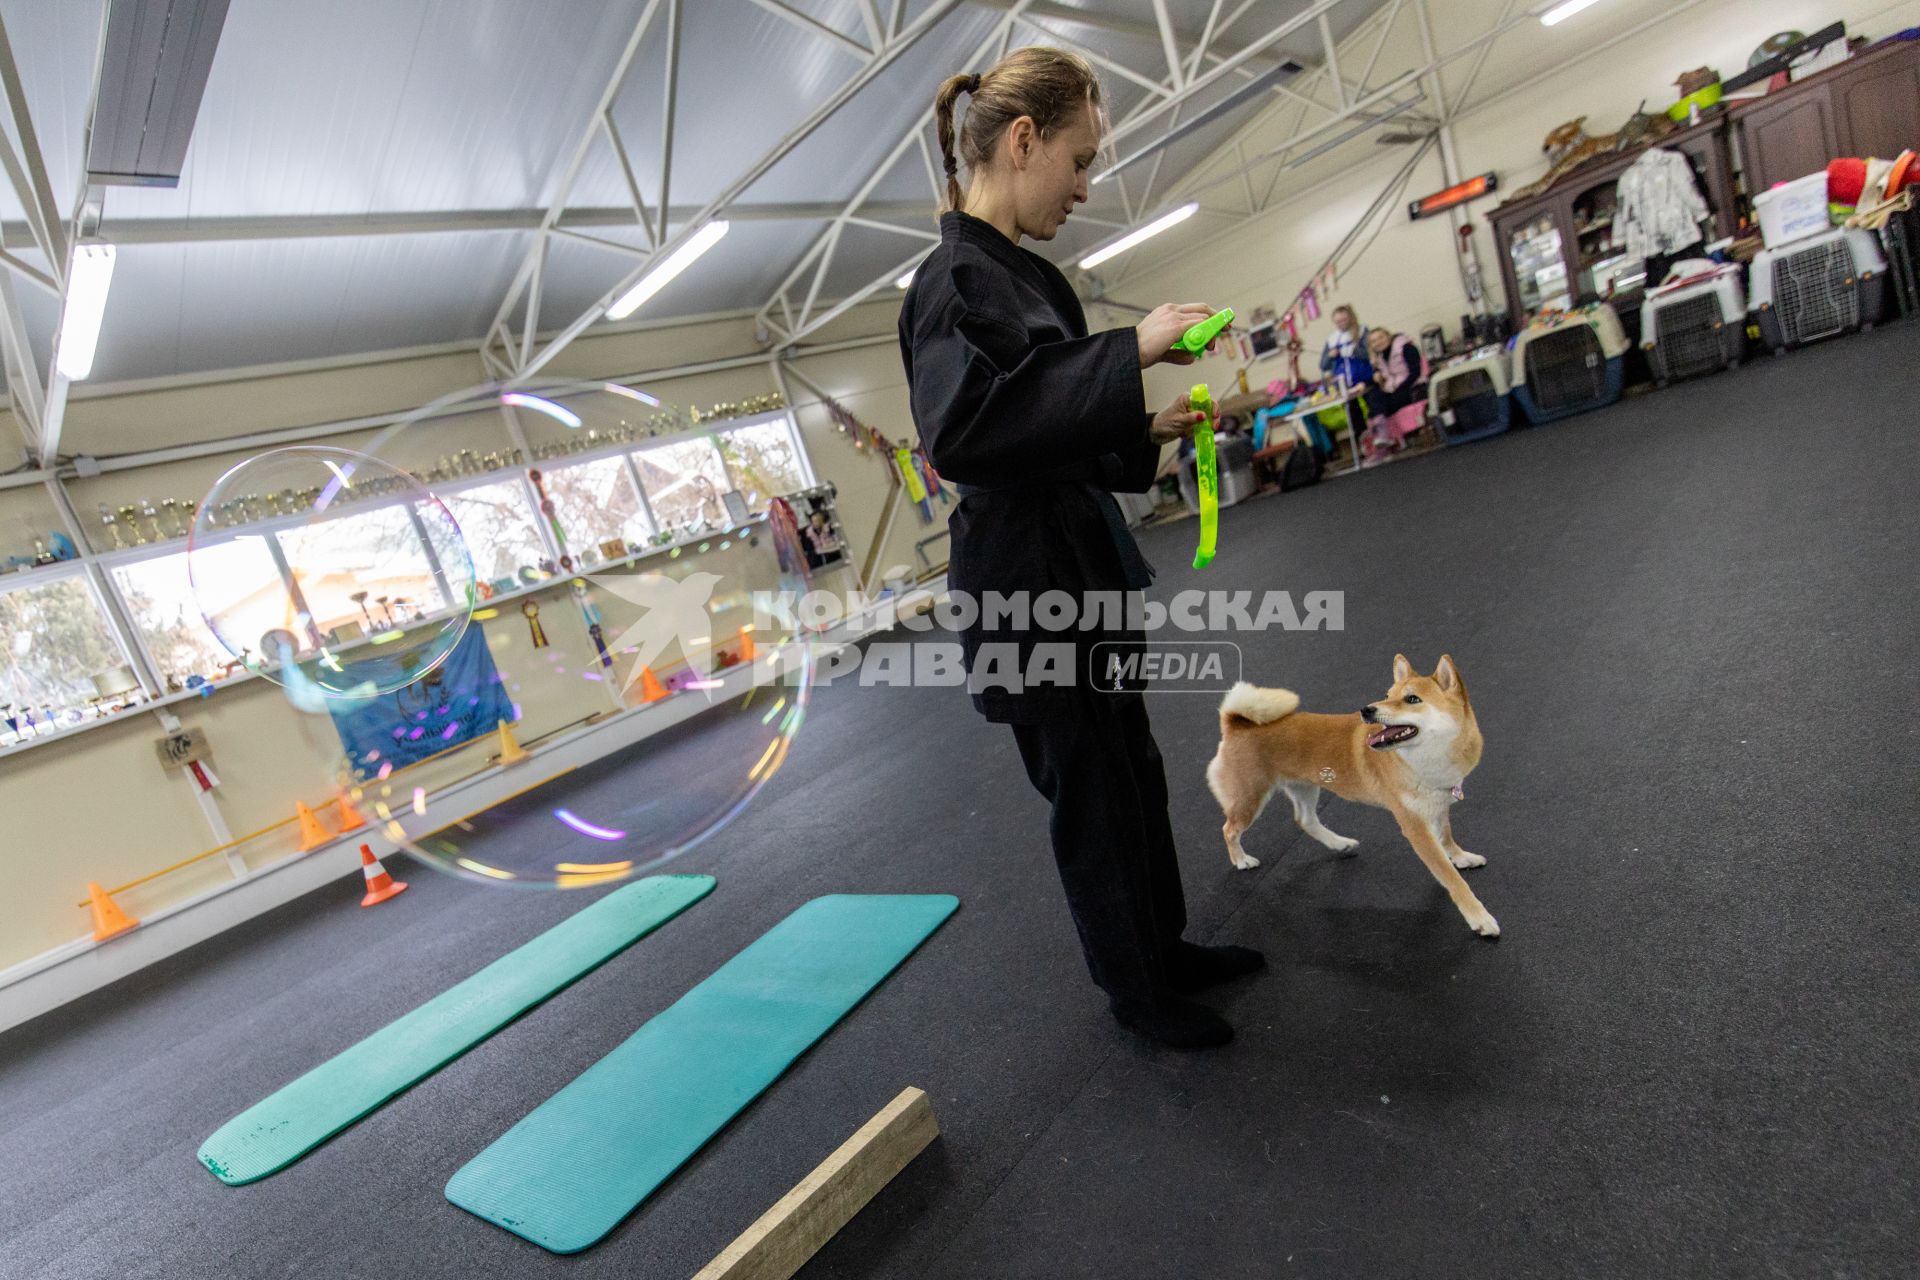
(1256, 705)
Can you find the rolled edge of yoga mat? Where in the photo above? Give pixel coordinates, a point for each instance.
(582, 1162)
(282, 1128)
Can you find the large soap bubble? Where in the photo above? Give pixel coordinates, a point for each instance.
(330, 572)
(632, 676)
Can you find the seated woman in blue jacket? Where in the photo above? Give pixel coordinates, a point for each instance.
(1036, 422)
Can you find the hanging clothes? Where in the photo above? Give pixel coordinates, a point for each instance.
(1658, 208)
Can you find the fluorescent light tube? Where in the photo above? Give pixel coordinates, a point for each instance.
(658, 278)
(1127, 242)
(905, 280)
(1561, 12)
(87, 282)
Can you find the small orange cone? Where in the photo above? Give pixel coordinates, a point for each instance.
(511, 752)
(747, 652)
(651, 690)
(313, 833)
(109, 921)
(380, 885)
(351, 819)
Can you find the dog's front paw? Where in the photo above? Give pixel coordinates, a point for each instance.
(1342, 844)
(1484, 924)
(1244, 861)
(1465, 860)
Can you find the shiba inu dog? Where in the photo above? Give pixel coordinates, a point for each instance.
(1407, 753)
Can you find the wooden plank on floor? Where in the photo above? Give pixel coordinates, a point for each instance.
(791, 1232)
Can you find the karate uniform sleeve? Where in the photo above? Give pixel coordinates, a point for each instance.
(1131, 470)
(992, 406)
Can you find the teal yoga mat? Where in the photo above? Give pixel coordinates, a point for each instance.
(269, 1136)
(588, 1156)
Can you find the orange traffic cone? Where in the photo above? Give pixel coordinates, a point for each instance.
(351, 819)
(747, 652)
(109, 921)
(651, 690)
(380, 885)
(511, 752)
(313, 833)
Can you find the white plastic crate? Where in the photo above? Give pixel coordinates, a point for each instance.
(1793, 210)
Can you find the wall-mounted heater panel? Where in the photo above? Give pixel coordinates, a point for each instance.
(153, 69)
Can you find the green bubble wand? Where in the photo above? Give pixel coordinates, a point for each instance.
(1206, 474)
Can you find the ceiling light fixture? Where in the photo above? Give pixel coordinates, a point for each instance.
(1561, 12)
(658, 278)
(1131, 239)
(88, 279)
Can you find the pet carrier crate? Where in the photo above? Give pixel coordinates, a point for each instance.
(1815, 288)
(1901, 239)
(1468, 399)
(1695, 327)
(1569, 364)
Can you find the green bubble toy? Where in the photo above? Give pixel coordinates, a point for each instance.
(1206, 473)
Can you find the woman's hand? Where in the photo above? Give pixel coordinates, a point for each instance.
(1175, 422)
(1164, 326)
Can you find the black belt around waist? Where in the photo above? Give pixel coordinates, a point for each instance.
(1139, 573)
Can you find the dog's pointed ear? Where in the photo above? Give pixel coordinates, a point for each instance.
(1402, 669)
(1446, 675)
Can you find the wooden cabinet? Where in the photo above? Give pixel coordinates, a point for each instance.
(1554, 247)
(1787, 139)
(1877, 108)
(1559, 246)
(1869, 105)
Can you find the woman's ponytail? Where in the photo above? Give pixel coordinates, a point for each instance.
(943, 104)
(1053, 87)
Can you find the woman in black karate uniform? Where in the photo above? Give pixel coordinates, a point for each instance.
(1035, 422)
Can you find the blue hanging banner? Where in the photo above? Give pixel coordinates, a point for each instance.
(458, 701)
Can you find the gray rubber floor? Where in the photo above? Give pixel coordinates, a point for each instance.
(1688, 625)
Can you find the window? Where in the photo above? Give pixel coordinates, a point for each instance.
(595, 502)
(684, 482)
(498, 524)
(54, 642)
(361, 569)
(238, 585)
(764, 460)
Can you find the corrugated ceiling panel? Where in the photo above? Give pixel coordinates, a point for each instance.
(360, 105)
(213, 306)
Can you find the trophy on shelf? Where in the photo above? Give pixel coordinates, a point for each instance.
(113, 525)
(152, 514)
(128, 517)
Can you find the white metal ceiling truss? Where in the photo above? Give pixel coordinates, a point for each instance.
(520, 357)
(1169, 91)
(1323, 105)
(39, 397)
